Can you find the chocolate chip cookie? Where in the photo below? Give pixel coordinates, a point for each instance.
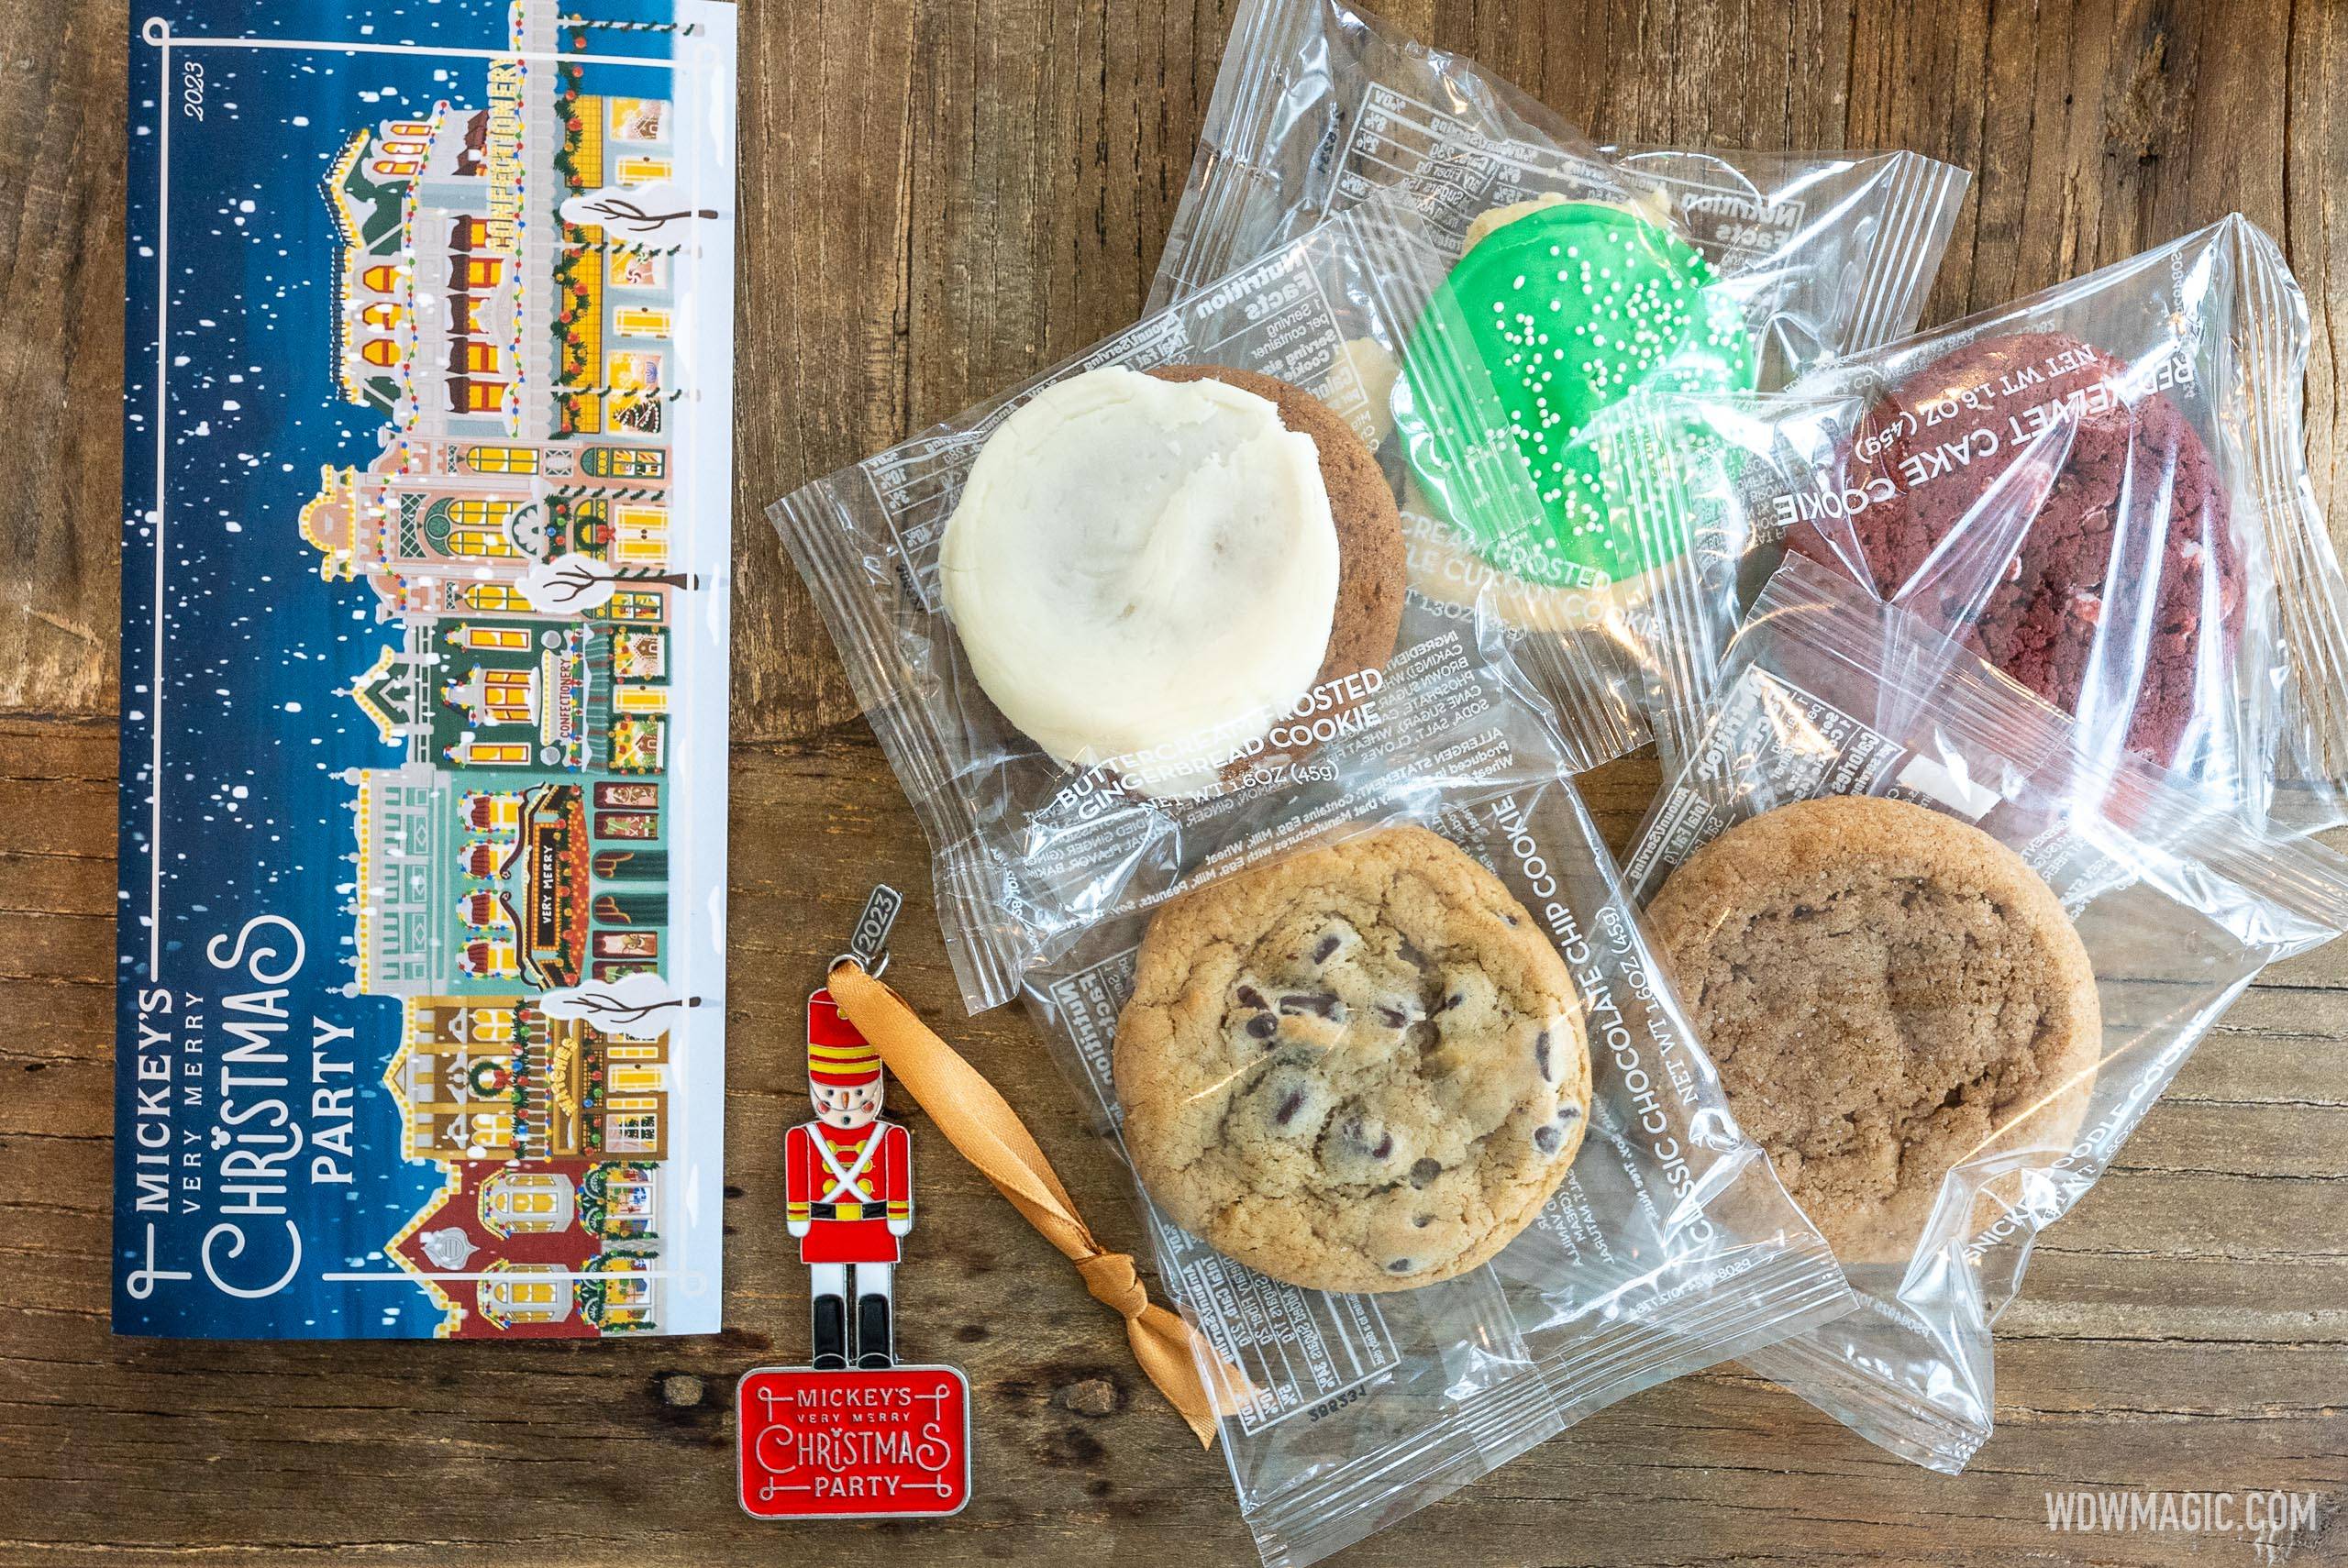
(1886, 992)
(1359, 1067)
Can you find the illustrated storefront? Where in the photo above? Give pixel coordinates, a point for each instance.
(451, 527)
(522, 355)
(631, 531)
(505, 1250)
(615, 323)
(492, 1078)
(524, 694)
(475, 882)
(486, 692)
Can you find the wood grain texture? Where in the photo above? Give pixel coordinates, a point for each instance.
(60, 352)
(941, 197)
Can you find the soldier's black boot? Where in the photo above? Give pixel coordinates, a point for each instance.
(875, 1345)
(831, 1334)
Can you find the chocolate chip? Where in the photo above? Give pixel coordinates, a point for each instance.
(1357, 1136)
(1250, 997)
(1422, 1221)
(1324, 1003)
(1263, 1026)
(1547, 1137)
(1541, 1054)
(1425, 1171)
(1454, 1000)
(1399, 1266)
(1568, 1114)
(1393, 1017)
(1292, 1102)
(1322, 948)
(1410, 954)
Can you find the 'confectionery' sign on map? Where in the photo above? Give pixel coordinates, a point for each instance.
(424, 682)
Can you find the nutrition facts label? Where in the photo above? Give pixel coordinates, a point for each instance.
(1735, 225)
(1453, 171)
(1452, 168)
(1285, 328)
(1790, 745)
(1793, 745)
(1089, 1002)
(1738, 230)
(916, 485)
(1305, 1351)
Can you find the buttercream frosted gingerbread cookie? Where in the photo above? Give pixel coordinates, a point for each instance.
(1151, 570)
(1886, 992)
(1359, 1067)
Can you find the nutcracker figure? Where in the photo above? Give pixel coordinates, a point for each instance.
(847, 1180)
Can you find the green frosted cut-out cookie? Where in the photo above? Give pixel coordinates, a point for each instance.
(1537, 332)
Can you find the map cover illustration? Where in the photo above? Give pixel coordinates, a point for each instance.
(425, 562)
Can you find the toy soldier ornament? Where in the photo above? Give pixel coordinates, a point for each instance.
(854, 1435)
(848, 1185)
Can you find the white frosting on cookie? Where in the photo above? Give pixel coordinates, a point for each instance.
(1144, 570)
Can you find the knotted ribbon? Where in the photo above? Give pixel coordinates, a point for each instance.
(982, 1124)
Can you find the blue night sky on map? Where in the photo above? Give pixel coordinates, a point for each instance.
(254, 818)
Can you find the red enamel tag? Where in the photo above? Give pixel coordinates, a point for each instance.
(889, 1443)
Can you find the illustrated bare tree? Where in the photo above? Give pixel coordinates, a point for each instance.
(639, 1006)
(575, 584)
(640, 209)
(618, 211)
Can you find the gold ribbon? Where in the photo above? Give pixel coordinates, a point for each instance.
(982, 1124)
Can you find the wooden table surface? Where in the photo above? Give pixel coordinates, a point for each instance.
(939, 197)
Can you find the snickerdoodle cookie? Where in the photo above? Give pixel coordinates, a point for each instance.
(1887, 993)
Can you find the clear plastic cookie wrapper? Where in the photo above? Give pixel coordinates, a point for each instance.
(1433, 1162)
(1154, 607)
(1421, 1139)
(1318, 104)
(1582, 275)
(1944, 960)
(2099, 488)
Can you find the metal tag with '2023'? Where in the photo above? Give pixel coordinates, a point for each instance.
(891, 1443)
(868, 944)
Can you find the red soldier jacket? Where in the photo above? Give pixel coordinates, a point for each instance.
(848, 1187)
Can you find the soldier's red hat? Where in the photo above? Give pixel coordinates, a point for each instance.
(837, 1054)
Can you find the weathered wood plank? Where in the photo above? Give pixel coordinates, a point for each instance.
(939, 198)
(2203, 1285)
(60, 355)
